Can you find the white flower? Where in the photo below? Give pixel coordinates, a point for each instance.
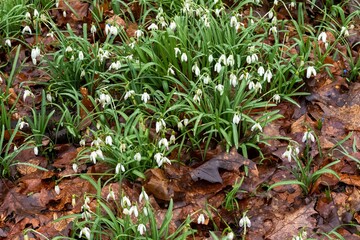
(81, 56)
(171, 71)
(273, 29)
(158, 157)
(134, 210)
(258, 87)
(23, 124)
(86, 231)
(210, 58)
(93, 29)
(68, 49)
(100, 154)
(287, 153)
(245, 221)
(104, 99)
(145, 97)
(322, 36)
(64, 14)
(184, 57)
(261, 71)
(36, 150)
(143, 195)
(217, 67)
(111, 194)
(112, 30)
(292, 4)
(236, 118)
(195, 69)
(137, 157)
(276, 2)
(206, 78)
(186, 122)
(233, 21)
(248, 59)
(268, 75)
(222, 59)
(139, 33)
(108, 140)
(230, 61)
(57, 189)
(172, 26)
(230, 236)
(271, 14)
(233, 80)
(27, 93)
(254, 58)
(276, 98)
(27, 15)
(251, 85)
(75, 167)
(220, 88)
(36, 13)
(201, 219)
(256, 126)
(164, 142)
(344, 31)
(26, 29)
(153, 26)
(197, 96)
(125, 202)
(177, 51)
(49, 97)
(35, 52)
(1, 80)
(119, 167)
(115, 65)
(129, 94)
(172, 139)
(8, 42)
(93, 156)
(82, 142)
(310, 71)
(308, 136)
(160, 125)
(141, 229)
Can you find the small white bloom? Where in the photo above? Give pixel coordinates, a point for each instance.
(271, 14)
(251, 85)
(64, 14)
(8, 42)
(36, 150)
(35, 52)
(27, 15)
(119, 167)
(236, 118)
(276, 2)
(75, 167)
(57, 189)
(186, 122)
(26, 29)
(258, 87)
(201, 219)
(164, 142)
(158, 157)
(134, 210)
(287, 153)
(245, 221)
(256, 126)
(93, 156)
(322, 36)
(23, 124)
(104, 99)
(344, 31)
(217, 67)
(145, 97)
(268, 76)
(220, 88)
(172, 26)
(248, 59)
(177, 51)
(273, 29)
(230, 61)
(111, 30)
(82, 142)
(111, 194)
(129, 94)
(143, 195)
(153, 26)
(230, 236)
(141, 229)
(292, 4)
(87, 233)
(160, 124)
(81, 56)
(36, 13)
(100, 154)
(206, 78)
(108, 140)
(27, 93)
(49, 97)
(308, 136)
(184, 57)
(222, 59)
(171, 71)
(261, 71)
(137, 157)
(210, 58)
(233, 21)
(139, 33)
(276, 98)
(93, 29)
(115, 65)
(310, 71)
(172, 139)
(125, 202)
(68, 49)
(195, 69)
(233, 80)
(254, 58)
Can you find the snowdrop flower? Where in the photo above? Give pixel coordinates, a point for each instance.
(248, 59)
(233, 80)
(245, 76)
(322, 36)
(158, 157)
(233, 21)
(134, 210)
(49, 97)
(172, 26)
(292, 4)
(251, 85)
(27, 15)
(75, 167)
(256, 126)
(137, 157)
(139, 33)
(153, 26)
(177, 51)
(57, 189)
(276, 98)
(172, 139)
(145, 97)
(258, 87)
(268, 75)
(308, 136)
(210, 58)
(36, 151)
(273, 29)
(8, 42)
(171, 71)
(197, 96)
(245, 221)
(111, 30)
(254, 58)
(81, 56)
(261, 71)
(220, 88)
(64, 14)
(119, 167)
(310, 71)
(35, 52)
(100, 154)
(230, 236)
(287, 153)
(111, 194)
(143, 195)
(230, 61)
(108, 140)
(27, 93)
(104, 99)
(68, 49)
(23, 124)
(217, 67)
(93, 156)
(141, 229)
(195, 69)
(36, 13)
(276, 2)
(115, 65)
(160, 124)
(271, 14)
(236, 118)
(82, 142)
(201, 219)
(164, 142)
(125, 202)
(93, 29)
(184, 57)
(222, 59)
(26, 29)
(87, 233)
(344, 31)
(206, 79)
(129, 94)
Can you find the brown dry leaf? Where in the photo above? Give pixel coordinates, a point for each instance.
(117, 21)
(158, 184)
(80, 8)
(231, 161)
(26, 169)
(86, 102)
(290, 225)
(353, 180)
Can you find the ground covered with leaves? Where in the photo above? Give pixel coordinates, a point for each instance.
(179, 119)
